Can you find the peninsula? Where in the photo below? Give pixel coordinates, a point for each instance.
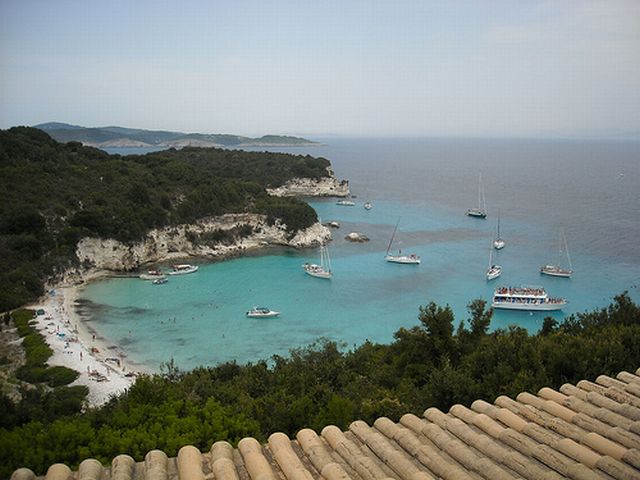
(119, 137)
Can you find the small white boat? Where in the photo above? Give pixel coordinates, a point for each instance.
(152, 275)
(526, 298)
(182, 269)
(411, 259)
(557, 270)
(324, 269)
(494, 271)
(481, 210)
(160, 281)
(345, 203)
(368, 205)
(262, 312)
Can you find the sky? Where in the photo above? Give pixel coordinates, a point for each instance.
(484, 68)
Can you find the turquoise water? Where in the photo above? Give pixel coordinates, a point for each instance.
(587, 188)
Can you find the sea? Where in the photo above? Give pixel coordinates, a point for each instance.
(590, 189)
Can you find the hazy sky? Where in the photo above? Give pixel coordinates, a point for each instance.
(394, 68)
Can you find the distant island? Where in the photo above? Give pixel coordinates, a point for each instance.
(118, 137)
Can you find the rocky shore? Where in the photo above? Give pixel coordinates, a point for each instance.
(193, 240)
(312, 187)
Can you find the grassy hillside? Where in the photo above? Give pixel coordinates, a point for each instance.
(54, 194)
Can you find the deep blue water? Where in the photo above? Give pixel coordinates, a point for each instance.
(588, 188)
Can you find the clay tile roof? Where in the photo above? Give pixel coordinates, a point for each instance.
(586, 431)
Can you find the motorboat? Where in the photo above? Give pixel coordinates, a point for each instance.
(182, 269)
(262, 312)
(152, 275)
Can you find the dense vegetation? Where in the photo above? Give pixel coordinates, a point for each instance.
(431, 364)
(54, 194)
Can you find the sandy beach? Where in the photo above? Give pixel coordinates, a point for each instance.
(102, 367)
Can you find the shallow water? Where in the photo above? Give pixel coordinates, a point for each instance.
(587, 188)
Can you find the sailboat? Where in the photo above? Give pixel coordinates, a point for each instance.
(411, 259)
(498, 243)
(324, 269)
(557, 270)
(494, 271)
(481, 211)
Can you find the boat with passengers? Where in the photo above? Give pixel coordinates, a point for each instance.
(526, 298)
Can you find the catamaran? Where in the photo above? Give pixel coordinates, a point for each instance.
(556, 270)
(481, 210)
(411, 259)
(526, 298)
(324, 269)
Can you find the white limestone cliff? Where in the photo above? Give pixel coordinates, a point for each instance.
(182, 241)
(311, 187)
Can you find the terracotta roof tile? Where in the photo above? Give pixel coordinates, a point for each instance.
(587, 431)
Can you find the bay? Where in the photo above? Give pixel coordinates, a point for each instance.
(587, 187)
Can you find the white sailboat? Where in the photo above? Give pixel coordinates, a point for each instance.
(498, 243)
(494, 271)
(323, 270)
(481, 210)
(411, 259)
(557, 270)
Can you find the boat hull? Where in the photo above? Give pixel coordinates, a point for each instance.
(475, 213)
(317, 271)
(554, 271)
(184, 271)
(263, 315)
(403, 259)
(147, 276)
(494, 273)
(535, 307)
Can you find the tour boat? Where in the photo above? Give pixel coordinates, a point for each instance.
(481, 210)
(526, 298)
(152, 275)
(183, 269)
(345, 203)
(324, 269)
(411, 259)
(262, 312)
(557, 270)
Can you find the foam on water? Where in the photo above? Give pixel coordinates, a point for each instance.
(538, 186)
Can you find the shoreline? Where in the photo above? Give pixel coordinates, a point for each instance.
(103, 367)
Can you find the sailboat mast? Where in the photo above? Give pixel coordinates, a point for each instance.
(392, 236)
(566, 249)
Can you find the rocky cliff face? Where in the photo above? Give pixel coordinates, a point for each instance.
(194, 240)
(311, 187)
